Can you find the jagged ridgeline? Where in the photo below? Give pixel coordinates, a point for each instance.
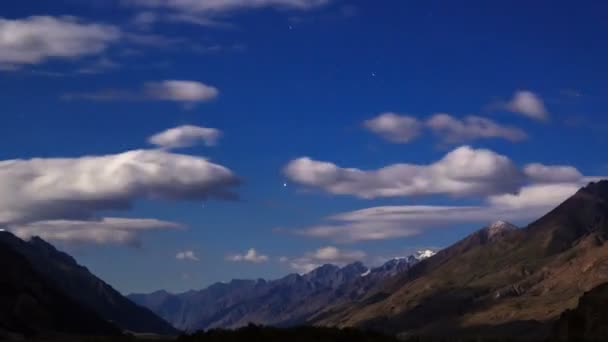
(292, 300)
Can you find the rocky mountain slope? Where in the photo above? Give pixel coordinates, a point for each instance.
(30, 305)
(497, 281)
(291, 300)
(81, 286)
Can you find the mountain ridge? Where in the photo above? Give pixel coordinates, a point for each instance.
(521, 276)
(287, 301)
(82, 286)
(31, 306)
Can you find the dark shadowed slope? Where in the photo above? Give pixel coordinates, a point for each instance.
(31, 305)
(589, 321)
(507, 282)
(289, 301)
(82, 286)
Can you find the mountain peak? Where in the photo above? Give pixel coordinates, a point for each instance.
(424, 254)
(497, 228)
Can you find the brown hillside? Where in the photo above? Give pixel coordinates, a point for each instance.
(515, 281)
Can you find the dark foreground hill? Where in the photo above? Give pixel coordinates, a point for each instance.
(81, 286)
(516, 283)
(297, 334)
(30, 305)
(589, 321)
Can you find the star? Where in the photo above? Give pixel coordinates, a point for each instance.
(373, 74)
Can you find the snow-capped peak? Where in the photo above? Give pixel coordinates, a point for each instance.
(498, 227)
(424, 254)
(366, 273)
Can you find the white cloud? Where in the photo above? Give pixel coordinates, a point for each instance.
(217, 6)
(78, 188)
(203, 12)
(389, 222)
(181, 91)
(552, 174)
(186, 136)
(188, 93)
(37, 39)
(326, 255)
(119, 231)
(453, 130)
(186, 255)
(528, 194)
(464, 171)
(251, 256)
(403, 129)
(394, 127)
(529, 104)
(543, 195)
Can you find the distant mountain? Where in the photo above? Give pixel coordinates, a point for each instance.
(291, 300)
(30, 305)
(499, 281)
(81, 286)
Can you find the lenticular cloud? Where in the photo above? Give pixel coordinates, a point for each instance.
(78, 188)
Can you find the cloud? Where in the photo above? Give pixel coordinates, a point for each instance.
(120, 231)
(36, 39)
(326, 255)
(181, 91)
(453, 130)
(204, 12)
(186, 255)
(251, 256)
(543, 195)
(552, 174)
(78, 188)
(403, 129)
(186, 136)
(394, 127)
(390, 222)
(529, 104)
(188, 93)
(464, 171)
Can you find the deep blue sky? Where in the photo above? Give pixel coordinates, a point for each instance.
(297, 83)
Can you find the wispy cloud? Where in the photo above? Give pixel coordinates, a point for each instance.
(186, 255)
(36, 39)
(529, 104)
(390, 222)
(118, 231)
(325, 255)
(206, 13)
(188, 93)
(403, 129)
(186, 136)
(394, 127)
(452, 130)
(251, 255)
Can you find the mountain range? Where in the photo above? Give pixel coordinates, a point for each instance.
(288, 301)
(545, 280)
